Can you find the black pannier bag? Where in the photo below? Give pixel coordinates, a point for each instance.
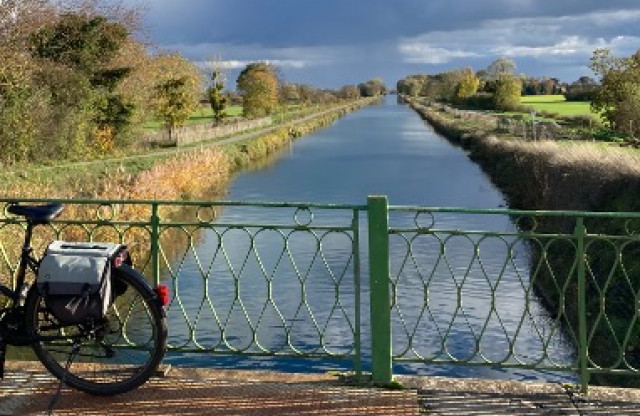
(75, 279)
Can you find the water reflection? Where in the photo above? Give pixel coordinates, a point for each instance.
(457, 289)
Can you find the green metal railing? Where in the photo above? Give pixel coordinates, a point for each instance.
(286, 283)
(535, 290)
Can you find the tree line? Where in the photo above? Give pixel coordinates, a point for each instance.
(75, 82)
(496, 87)
(615, 95)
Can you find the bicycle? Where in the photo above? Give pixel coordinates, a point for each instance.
(113, 355)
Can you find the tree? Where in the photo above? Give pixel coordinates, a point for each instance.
(583, 89)
(72, 76)
(307, 93)
(258, 85)
(507, 93)
(80, 41)
(89, 44)
(348, 92)
(411, 85)
(500, 68)
(468, 84)
(20, 18)
(175, 102)
(217, 99)
(372, 88)
(432, 87)
(18, 107)
(289, 93)
(618, 98)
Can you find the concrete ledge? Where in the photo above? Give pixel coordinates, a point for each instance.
(27, 390)
(449, 396)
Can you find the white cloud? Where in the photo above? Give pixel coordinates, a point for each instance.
(233, 56)
(569, 45)
(535, 37)
(417, 52)
(239, 64)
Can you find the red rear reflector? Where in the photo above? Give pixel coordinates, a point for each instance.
(163, 294)
(117, 261)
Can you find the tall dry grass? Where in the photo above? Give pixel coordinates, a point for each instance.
(193, 175)
(547, 175)
(198, 174)
(598, 158)
(190, 175)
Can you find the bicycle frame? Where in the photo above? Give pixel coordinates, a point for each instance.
(26, 260)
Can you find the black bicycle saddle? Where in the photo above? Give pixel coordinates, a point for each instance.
(37, 214)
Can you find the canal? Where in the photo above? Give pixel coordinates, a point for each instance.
(383, 149)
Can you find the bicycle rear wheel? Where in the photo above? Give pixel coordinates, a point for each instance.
(115, 356)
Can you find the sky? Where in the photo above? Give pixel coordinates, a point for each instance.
(331, 43)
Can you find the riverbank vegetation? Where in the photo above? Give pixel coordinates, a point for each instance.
(181, 174)
(607, 109)
(564, 162)
(567, 175)
(77, 81)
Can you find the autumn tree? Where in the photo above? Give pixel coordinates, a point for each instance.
(20, 18)
(618, 98)
(258, 86)
(289, 93)
(175, 91)
(507, 91)
(307, 93)
(467, 85)
(88, 45)
(82, 42)
(20, 100)
(411, 85)
(174, 102)
(73, 78)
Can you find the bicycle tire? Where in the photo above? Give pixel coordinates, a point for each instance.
(123, 357)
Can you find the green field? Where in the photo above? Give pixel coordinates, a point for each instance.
(203, 114)
(556, 104)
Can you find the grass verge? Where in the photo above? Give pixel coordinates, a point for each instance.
(556, 104)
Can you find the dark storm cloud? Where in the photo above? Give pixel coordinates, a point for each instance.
(335, 42)
(278, 23)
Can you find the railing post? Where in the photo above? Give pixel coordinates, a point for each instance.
(380, 298)
(583, 348)
(355, 226)
(155, 244)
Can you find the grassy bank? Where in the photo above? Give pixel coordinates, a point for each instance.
(567, 175)
(206, 165)
(179, 174)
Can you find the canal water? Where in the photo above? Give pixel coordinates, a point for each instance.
(383, 149)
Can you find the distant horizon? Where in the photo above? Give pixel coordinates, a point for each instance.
(334, 43)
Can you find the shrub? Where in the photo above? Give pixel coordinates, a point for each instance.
(583, 94)
(507, 94)
(479, 101)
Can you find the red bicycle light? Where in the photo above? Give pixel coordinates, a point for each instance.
(163, 294)
(120, 258)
